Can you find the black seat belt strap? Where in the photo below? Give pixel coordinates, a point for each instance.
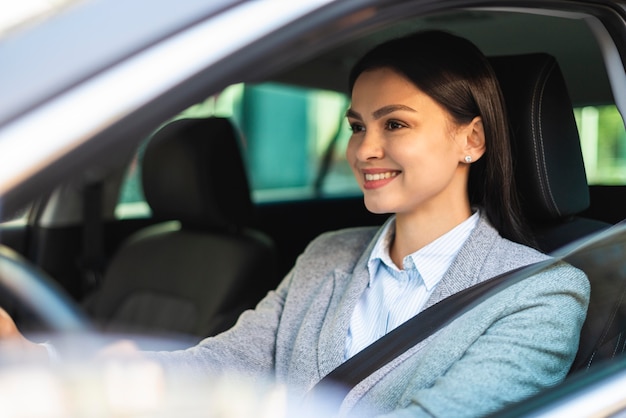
(409, 334)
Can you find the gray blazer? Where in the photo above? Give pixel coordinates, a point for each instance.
(506, 349)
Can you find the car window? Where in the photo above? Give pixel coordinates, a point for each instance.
(603, 142)
(269, 116)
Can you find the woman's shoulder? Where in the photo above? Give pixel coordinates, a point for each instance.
(315, 268)
(500, 255)
(339, 249)
(507, 249)
(353, 239)
(509, 255)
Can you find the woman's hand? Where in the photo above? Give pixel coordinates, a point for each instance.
(8, 329)
(12, 339)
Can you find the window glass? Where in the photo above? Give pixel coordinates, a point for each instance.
(295, 140)
(293, 143)
(603, 142)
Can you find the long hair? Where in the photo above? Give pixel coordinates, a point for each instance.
(454, 72)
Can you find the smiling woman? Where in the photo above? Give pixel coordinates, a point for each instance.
(405, 155)
(435, 241)
(351, 287)
(459, 109)
(425, 152)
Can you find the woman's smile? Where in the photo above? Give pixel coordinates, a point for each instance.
(374, 179)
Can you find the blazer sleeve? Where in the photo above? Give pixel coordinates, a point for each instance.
(528, 345)
(250, 347)
(247, 348)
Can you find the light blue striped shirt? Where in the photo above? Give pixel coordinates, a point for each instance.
(395, 295)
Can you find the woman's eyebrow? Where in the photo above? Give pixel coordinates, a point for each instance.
(385, 110)
(352, 114)
(389, 109)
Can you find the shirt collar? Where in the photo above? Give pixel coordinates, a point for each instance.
(431, 261)
(380, 252)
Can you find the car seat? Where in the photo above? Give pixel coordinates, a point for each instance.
(550, 176)
(195, 274)
(549, 168)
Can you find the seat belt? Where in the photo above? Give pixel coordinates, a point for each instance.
(341, 380)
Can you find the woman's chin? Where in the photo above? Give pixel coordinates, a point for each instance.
(377, 207)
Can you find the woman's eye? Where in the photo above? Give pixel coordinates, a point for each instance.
(393, 125)
(356, 127)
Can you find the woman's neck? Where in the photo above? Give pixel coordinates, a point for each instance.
(416, 230)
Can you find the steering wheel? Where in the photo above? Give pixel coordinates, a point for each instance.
(36, 291)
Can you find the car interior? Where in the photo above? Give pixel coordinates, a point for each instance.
(196, 273)
(210, 235)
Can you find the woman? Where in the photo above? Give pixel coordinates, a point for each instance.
(429, 145)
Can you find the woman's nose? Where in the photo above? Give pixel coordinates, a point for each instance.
(370, 147)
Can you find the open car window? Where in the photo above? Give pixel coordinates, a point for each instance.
(603, 142)
(293, 143)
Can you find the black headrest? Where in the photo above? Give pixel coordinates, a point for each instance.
(193, 171)
(549, 168)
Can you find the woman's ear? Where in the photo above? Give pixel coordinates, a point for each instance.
(473, 140)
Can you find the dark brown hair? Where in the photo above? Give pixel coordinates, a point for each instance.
(455, 73)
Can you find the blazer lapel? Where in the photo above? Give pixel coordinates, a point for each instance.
(349, 287)
(465, 269)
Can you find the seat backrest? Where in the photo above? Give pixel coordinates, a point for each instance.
(549, 168)
(196, 273)
(550, 176)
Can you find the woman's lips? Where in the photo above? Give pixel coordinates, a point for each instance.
(378, 179)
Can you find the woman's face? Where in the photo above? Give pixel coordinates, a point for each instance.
(405, 151)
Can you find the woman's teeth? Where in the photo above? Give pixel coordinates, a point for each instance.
(380, 176)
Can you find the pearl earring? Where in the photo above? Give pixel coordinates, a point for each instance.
(468, 159)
